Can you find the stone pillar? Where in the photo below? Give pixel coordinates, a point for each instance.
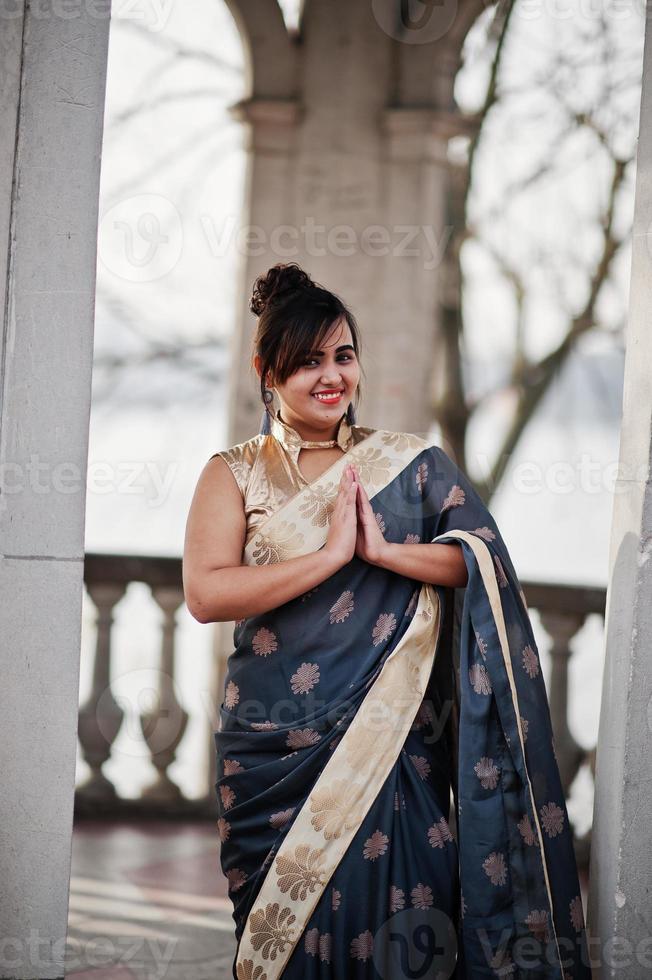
(52, 83)
(348, 124)
(621, 851)
(271, 125)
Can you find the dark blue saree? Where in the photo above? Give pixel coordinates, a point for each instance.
(389, 798)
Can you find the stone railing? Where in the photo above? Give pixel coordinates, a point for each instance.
(562, 611)
(163, 726)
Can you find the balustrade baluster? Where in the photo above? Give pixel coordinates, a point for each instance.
(100, 717)
(164, 725)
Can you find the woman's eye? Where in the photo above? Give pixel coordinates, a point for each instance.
(313, 360)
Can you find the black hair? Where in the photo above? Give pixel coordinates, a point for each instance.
(294, 315)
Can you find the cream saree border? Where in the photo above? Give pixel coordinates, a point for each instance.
(488, 573)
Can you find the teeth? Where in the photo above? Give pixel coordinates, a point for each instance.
(328, 398)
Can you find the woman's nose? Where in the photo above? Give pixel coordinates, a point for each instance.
(331, 377)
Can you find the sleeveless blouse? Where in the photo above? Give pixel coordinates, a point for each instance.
(266, 467)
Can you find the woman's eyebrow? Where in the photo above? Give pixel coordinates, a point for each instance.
(337, 349)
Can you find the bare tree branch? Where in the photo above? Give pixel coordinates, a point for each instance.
(451, 410)
(184, 51)
(533, 380)
(185, 147)
(529, 379)
(163, 99)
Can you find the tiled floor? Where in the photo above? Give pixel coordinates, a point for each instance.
(148, 901)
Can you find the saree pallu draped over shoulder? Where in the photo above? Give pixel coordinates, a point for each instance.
(353, 713)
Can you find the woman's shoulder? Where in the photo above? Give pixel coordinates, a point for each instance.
(242, 451)
(241, 457)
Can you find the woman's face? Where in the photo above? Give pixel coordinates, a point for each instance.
(332, 370)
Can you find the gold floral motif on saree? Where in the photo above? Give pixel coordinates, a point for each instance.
(283, 544)
(332, 809)
(302, 873)
(319, 504)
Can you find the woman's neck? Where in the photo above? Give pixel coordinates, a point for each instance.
(308, 432)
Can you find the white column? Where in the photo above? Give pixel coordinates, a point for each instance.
(52, 82)
(619, 908)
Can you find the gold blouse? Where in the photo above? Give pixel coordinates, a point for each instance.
(266, 467)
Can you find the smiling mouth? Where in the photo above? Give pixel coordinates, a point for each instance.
(328, 397)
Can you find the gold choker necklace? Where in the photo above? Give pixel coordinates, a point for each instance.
(315, 444)
(291, 439)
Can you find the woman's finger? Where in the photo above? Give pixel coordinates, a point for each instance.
(365, 503)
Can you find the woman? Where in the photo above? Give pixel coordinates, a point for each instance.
(390, 804)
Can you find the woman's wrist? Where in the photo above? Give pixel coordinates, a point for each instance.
(334, 559)
(438, 563)
(385, 555)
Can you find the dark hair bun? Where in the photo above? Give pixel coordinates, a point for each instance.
(276, 285)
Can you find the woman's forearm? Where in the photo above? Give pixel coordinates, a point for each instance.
(440, 564)
(237, 592)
